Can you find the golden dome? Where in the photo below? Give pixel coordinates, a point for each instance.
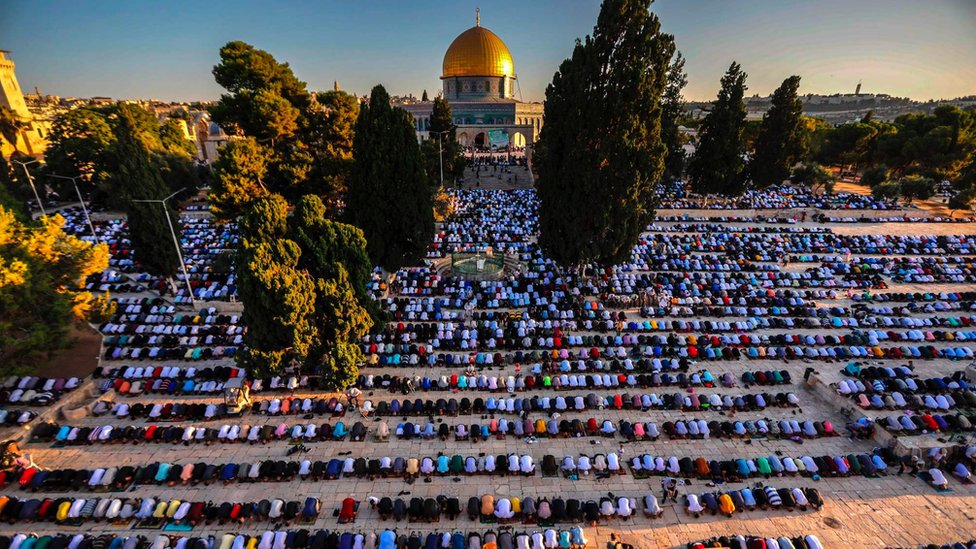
(478, 52)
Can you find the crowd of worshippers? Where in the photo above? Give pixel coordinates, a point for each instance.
(506, 510)
(479, 381)
(923, 402)
(749, 499)
(77, 510)
(205, 245)
(678, 195)
(34, 390)
(809, 541)
(776, 464)
(73, 435)
(691, 428)
(191, 380)
(549, 538)
(958, 462)
(152, 329)
(756, 221)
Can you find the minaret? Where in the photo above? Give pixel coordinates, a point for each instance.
(10, 94)
(477, 17)
(335, 85)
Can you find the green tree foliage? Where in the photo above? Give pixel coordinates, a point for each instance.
(42, 269)
(83, 142)
(874, 175)
(888, 190)
(424, 97)
(849, 144)
(138, 178)
(307, 140)
(780, 141)
(303, 283)
(600, 152)
(916, 187)
(79, 143)
(672, 110)
(389, 196)
(815, 176)
(441, 120)
(279, 305)
(329, 131)
(238, 181)
(173, 140)
(963, 200)
(938, 145)
(717, 167)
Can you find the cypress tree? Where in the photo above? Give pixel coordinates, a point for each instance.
(717, 167)
(672, 107)
(389, 196)
(600, 151)
(441, 120)
(780, 141)
(138, 178)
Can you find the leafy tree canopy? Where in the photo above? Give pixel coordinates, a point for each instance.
(42, 270)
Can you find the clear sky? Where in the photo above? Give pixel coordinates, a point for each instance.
(165, 50)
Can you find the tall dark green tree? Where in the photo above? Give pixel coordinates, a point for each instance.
(780, 141)
(717, 167)
(389, 196)
(138, 178)
(672, 111)
(600, 151)
(442, 142)
(296, 282)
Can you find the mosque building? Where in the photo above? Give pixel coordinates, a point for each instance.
(479, 82)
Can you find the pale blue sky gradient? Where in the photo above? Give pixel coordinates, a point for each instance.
(165, 50)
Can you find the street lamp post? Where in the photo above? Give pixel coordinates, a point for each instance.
(74, 181)
(176, 242)
(440, 151)
(30, 180)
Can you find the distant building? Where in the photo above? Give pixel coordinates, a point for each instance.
(33, 137)
(479, 81)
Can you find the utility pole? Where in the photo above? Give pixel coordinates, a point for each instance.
(30, 180)
(176, 242)
(74, 181)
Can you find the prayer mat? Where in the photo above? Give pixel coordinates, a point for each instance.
(73, 523)
(172, 527)
(148, 524)
(927, 478)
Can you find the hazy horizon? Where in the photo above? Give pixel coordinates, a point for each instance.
(166, 51)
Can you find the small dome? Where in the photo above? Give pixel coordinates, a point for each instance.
(478, 52)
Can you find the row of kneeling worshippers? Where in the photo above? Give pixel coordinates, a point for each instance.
(773, 465)
(518, 383)
(186, 434)
(550, 538)
(748, 499)
(809, 541)
(173, 474)
(174, 511)
(579, 403)
(34, 390)
(215, 410)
